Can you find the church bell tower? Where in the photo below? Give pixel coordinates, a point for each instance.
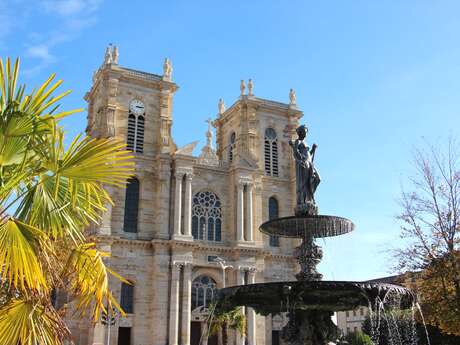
(131, 105)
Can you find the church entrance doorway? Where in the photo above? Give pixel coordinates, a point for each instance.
(203, 290)
(195, 333)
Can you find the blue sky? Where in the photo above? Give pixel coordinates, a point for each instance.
(374, 79)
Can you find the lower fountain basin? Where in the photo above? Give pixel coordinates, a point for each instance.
(277, 297)
(316, 226)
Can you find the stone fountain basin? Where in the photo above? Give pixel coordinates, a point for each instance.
(277, 297)
(317, 226)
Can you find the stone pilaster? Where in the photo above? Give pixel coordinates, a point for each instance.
(178, 204)
(99, 334)
(188, 206)
(251, 314)
(239, 212)
(110, 118)
(174, 305)
(240, 275)
(186, 304)
(249, 235)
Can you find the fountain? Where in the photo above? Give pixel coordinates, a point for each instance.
(309, 302)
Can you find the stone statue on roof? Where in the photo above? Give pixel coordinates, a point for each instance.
(115, 54)
(167, 69)
(108, 55)
(221, 106)
(250, 87)
(292, 97)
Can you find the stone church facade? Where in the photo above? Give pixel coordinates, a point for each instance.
(187, 225)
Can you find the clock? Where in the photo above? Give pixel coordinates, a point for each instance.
(136, 107)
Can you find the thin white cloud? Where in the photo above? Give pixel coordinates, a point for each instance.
(71, 7)
(75, 16)
(41, 51)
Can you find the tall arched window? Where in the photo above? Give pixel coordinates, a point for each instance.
(203, 291)
(231, 147)
(131, 205)
(273, 213)
(271, 152)
(206, 217)
(135, 135)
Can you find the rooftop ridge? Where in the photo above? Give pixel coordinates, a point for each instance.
(147, 75)
(269, 101)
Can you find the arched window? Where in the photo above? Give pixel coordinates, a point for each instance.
(231, 147)
(206, 217)
(203, 291)
(131, 205)
(271, 152)
(273, 213)
(135, 136)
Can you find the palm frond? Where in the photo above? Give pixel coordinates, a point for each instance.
(27, 323)
(233, 319)
(89, 280)
(19, 249)
(94, 160)
(54, 193)
(63, 209)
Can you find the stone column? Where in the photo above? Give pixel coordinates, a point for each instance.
(188, 206)
(178, 204)
(251, 314)
(239, 212)
(106, 225)
(174, 305)
(249, 229)
(240, 273)
(99, 334)
(186, 304)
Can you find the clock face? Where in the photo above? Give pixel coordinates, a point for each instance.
(136, 107)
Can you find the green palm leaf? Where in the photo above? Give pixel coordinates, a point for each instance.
(53, 193)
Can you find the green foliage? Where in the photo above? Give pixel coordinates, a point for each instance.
(233, 319)
(49, 194)
(358, 338)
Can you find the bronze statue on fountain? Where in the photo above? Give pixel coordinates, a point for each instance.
(307, 177)
(309, 302)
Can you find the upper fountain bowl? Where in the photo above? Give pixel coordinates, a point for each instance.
(316, 226)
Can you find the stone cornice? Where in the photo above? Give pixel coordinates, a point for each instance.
(195, 246)
(119, 240)
(221, 169)
(259, 104)
(128, 74)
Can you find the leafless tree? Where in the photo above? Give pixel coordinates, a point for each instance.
(430, 224)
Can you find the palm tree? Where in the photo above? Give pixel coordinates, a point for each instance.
(233, 319)
(50, 193)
